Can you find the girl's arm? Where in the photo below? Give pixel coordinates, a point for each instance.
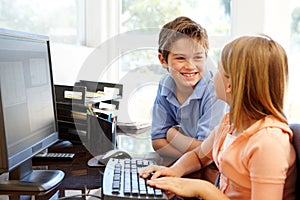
(197, 158)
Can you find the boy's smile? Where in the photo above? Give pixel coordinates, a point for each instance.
(190, 78)
(189, 74)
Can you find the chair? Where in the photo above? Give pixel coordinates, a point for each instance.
(296, 142)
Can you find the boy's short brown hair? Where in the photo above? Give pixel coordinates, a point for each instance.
(179, 28)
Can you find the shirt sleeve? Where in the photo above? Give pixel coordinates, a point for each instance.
(213, 110)
(162, 117)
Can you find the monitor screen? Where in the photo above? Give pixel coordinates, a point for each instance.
(27, 109)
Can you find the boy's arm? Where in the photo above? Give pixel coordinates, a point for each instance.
(181, 142)
(175, 145)
(162, 146)
(162, 119)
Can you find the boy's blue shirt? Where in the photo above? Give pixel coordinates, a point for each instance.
(197, 116)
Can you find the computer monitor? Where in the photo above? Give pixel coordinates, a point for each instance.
(27, 111)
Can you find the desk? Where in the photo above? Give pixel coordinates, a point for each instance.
(135, 142)
(139, 144)
(79, 177)
(82, 178)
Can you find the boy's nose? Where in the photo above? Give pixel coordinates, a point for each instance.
(190, 64)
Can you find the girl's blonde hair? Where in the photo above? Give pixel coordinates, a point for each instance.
(257, 67)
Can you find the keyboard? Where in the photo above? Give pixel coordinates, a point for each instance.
(121, 181)
(54, 157)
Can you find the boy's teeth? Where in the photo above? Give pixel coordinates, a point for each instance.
(189, 75)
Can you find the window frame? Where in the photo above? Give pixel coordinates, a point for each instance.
(243, 22)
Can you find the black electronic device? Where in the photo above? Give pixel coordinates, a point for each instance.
(54, 157)
(115, 153)
(27, 111)
(62, 144)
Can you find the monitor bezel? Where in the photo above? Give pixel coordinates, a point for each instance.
(9, 163)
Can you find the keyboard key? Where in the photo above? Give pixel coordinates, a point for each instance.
(116, 185)
(158, 192)
(150, 190)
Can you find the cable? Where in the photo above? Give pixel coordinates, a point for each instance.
(80, 195)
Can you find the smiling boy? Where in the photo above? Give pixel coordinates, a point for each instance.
(185, 109)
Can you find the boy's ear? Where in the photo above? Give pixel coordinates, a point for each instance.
(162, 60)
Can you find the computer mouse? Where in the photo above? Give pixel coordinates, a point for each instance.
(62, 144)
(115, 153)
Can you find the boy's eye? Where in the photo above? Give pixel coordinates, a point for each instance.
(198, 57)
(180, 58)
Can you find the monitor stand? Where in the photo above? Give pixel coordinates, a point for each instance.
(24, 179)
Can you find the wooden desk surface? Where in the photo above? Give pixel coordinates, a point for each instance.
(78, 175)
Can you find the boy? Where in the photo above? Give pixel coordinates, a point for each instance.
(185, 109)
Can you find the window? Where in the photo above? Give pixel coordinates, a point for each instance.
(154, 14)
(293, 109)
(129, 29)
(64, 23)
(139, 67)
(61, 20)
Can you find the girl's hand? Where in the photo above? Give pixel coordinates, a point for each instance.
(186, 187)
(183, 187)
(156, 171)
